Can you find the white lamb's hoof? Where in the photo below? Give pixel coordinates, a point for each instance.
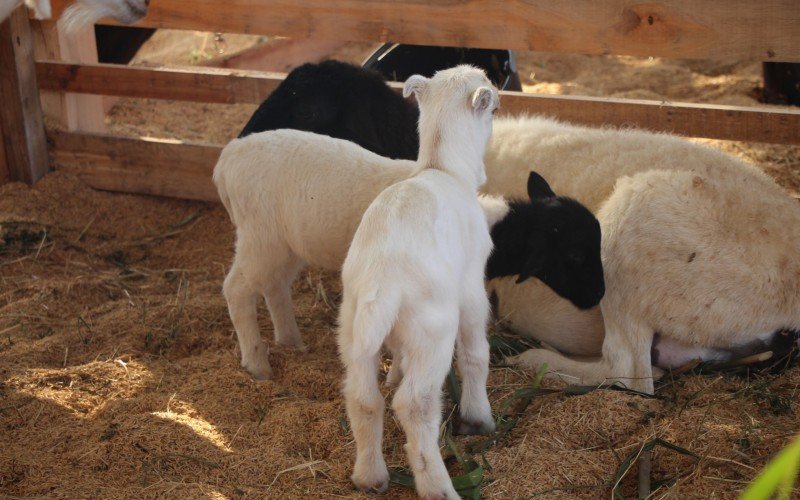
(298, 345)
(294, 341)
(394, 376)
(258, 366)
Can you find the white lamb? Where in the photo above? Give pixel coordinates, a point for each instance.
(698, 247)
(413, 278)
(83, 12)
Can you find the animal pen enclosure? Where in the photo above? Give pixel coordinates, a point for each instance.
(137, 436)
(677, 29)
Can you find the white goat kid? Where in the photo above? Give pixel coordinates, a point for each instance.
(413, 278)
(82, 13)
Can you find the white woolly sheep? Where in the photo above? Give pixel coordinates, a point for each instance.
(413, 278)
(698, 247)
(83, 12)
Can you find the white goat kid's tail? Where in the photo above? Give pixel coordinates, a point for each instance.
(372, 322)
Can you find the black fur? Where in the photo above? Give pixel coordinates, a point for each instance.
(344, 101)
(552, 238)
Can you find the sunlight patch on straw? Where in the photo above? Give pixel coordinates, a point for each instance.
(199, 426)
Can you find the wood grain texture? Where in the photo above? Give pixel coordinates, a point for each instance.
(699, 29)
(20, 110)
(278, 54)
(5, 173)
(762, 124)
(72, 111)
(145, 166)
(198, 85)
(778, 125)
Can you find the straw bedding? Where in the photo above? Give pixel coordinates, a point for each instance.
(119, 375)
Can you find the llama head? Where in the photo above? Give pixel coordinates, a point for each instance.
(553, 238)
(455, 122)
(84, 13)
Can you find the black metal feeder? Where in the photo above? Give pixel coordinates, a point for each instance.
(399, 61)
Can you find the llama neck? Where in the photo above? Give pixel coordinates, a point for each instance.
(454, 150)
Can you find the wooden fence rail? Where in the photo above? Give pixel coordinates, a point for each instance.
(775, 125)
(707, 29)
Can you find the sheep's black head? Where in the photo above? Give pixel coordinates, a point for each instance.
(553, 238)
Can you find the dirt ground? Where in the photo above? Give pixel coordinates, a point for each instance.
(119, 375)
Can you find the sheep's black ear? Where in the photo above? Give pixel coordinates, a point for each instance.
(533, 264)
(538, 187)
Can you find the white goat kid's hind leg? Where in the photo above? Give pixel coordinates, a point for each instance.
(242, 301)
(418, 403)
(472, 358)
(278, 295)
(365, 407)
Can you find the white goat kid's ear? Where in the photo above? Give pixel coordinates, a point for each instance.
(414, 85)
(482, 99)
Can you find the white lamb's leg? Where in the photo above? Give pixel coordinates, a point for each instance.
(418, 401)
(365, 405)
(258, 271)
(242, 306)
(472, 359)
(278, 295)
(626, 359)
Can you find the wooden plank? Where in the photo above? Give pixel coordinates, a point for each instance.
(198, 85)
(21, 111)
(758, 124)
(5, 173)
(699, 29)
(281, 54)
(72, 111)
(131, 165)
(737, 123)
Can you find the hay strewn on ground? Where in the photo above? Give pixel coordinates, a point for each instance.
(119, 376)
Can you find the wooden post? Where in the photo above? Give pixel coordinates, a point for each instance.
(5, 174)
(21, 113)
(72, 111)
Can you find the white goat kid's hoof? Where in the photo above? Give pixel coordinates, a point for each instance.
(476, 428)
(445, 493)
(371, 478)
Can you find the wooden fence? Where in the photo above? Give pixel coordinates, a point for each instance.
(714, 29)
